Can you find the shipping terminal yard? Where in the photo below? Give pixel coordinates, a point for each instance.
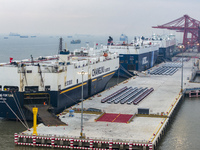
(110, 122)
(133, 114)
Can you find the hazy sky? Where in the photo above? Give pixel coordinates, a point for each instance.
(113, 17)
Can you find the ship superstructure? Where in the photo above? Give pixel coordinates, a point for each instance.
(138, 55)
(166, 44)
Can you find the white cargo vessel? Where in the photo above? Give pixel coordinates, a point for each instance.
(54, 80)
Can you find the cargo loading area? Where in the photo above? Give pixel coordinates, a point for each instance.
(118, 125)
(120, 118)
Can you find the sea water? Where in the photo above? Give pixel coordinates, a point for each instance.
(22, 48)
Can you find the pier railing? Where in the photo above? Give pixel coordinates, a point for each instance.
(90, 143)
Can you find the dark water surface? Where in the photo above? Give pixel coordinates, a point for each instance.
(22, 48)
(184, 131)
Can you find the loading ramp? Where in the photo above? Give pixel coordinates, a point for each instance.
(46, 117)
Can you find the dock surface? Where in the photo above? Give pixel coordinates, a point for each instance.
(139, 129)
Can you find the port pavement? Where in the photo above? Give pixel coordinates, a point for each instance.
(141, 129)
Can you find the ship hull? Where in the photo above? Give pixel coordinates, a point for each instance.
(58, 100)
(136, 62)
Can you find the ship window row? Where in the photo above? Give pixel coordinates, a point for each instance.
(81, 53)
(63, 63)
(36, 88)
(31, 88)
(27, 88)
(11, 88)
(83, 65)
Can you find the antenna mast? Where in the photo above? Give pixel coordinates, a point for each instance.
(60, 45)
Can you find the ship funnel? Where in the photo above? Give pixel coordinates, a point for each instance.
(63, 53)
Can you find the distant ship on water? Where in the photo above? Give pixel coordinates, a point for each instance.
(23, 36)
(75, 41)
(123, 37)
(14, 34)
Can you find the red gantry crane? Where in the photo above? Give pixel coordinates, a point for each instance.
(190, 28)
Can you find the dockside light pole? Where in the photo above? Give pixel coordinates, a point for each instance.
(182, 47)
(81, 133)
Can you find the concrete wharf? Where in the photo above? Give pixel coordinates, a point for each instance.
(140, 131)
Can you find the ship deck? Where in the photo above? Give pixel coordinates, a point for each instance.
(135, 128)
